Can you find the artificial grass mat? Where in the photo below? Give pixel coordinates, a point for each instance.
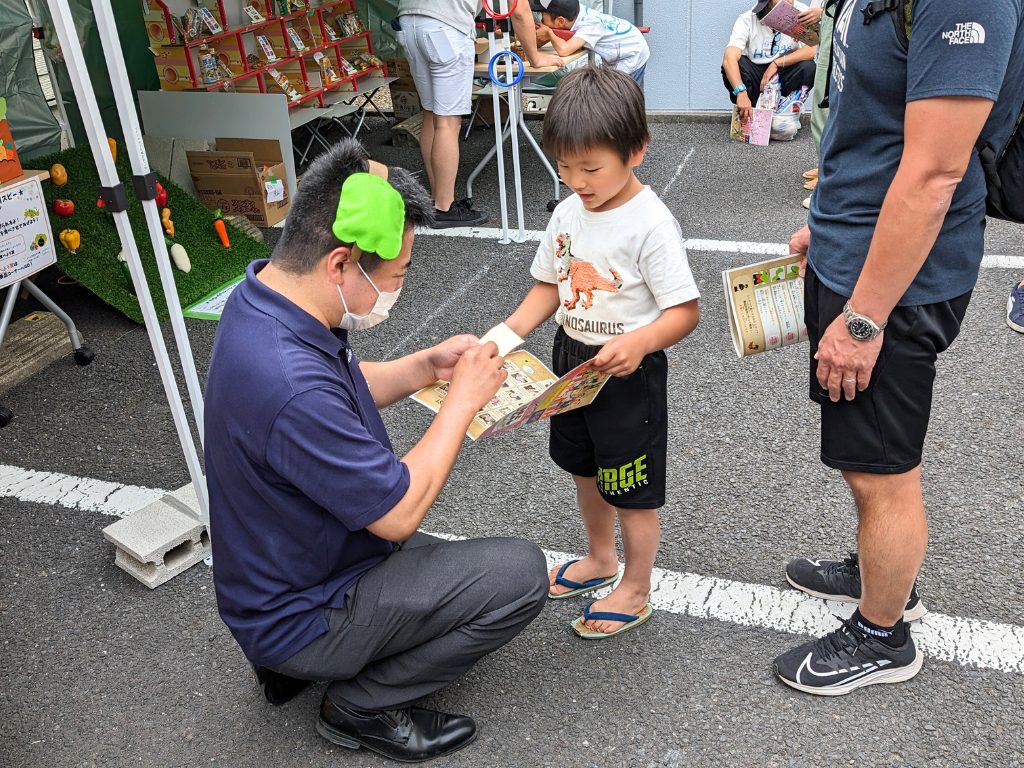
(95, 265)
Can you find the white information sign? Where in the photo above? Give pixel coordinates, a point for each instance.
(26, 241)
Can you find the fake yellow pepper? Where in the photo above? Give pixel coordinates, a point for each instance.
(58, 175)
(71, 239)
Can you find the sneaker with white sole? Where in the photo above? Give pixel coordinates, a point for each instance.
(846, 659)
(840, 580)
(1015, 308)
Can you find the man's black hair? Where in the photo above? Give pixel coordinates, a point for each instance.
(596, 107)
(307, 235)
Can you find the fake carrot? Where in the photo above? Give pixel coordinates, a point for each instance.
(221, 229)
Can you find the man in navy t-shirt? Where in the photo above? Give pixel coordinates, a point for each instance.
(894, 244)
(311, 511)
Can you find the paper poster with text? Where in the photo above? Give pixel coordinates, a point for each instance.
(765, 304)
(26, 241)
(530, 393)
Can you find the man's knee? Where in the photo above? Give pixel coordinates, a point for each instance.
(870, 488)
(520, 567)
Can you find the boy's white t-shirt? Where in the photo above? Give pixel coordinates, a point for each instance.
(755, 39)
(619, 44)
(631, 257)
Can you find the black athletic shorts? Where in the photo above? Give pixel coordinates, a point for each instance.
(621, 438)
(882, 429)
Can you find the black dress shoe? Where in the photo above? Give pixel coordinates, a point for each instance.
(409, 735)
(279, 689)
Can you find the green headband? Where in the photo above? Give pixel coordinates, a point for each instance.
(371, 214)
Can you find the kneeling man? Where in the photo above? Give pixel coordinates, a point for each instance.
(316, 567)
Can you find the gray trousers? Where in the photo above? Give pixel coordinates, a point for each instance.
(422, 618)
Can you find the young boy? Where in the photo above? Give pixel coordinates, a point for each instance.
(619, 44)
(613, 271)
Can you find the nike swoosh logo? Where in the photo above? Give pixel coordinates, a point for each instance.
(867, 668)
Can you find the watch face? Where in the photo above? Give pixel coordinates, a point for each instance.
(860, 329)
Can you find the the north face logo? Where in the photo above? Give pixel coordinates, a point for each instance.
(965, 34)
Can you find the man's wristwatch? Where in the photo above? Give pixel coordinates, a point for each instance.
(861, 327)
(739, 89)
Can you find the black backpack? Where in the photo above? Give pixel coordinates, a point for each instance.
(1004, 167)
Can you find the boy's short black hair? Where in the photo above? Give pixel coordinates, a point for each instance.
(307, 235)
(568, 9)
(596, 107)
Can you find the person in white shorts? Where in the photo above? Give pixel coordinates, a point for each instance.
(437, 36)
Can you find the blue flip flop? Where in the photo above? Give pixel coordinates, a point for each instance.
(630, 620)
(579, 587)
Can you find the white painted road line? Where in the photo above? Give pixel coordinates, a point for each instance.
(74, 492)
(693, 244)
(951, 638)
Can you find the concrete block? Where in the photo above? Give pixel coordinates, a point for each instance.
(161, 540)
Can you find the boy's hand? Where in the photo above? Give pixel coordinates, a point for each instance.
(810, 17)
(543, 35)
(620, 356)
(546, 60)
(443, 357)
(477, 376)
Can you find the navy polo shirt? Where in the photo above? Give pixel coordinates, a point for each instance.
(298, 464)
(957, 48)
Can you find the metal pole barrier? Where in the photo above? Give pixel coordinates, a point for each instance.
(115, 200)
(144, 180)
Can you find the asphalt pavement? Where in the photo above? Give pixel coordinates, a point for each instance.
(100, 671)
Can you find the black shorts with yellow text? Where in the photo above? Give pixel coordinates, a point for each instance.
(621, 439)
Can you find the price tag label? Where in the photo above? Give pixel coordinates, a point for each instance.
(275, 191)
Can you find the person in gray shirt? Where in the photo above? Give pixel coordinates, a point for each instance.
(437, 36)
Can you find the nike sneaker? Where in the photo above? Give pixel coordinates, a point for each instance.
(847, 659)
(1015, 308)
(840, 580)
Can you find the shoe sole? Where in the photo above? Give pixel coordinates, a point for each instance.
(335, 736)
(609, 582)
(453, 224)
(898, 675)
(1009, 322)
(910, 614)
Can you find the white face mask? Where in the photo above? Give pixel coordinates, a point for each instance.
(377, 314)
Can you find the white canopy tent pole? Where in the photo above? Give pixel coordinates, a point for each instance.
(499, 138)
(146, 193)
(111, 188)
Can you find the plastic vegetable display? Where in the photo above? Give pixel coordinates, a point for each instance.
(113, 148)
(165, 217)
(161, 195)
(70, 239)
(58, 175)
(221, 228)
(63, 207)
(179, 256)
(126, 272)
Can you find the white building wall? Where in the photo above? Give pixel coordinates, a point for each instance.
(687, 40)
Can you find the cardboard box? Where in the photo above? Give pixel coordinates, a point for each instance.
(405, 101)
(172, 67)
(234, 178)
(399, 68)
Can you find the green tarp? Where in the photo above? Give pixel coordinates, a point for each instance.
(34, 127)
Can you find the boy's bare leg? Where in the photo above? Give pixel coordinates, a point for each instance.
(641, 534)
(892, 539)
(599, 519)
